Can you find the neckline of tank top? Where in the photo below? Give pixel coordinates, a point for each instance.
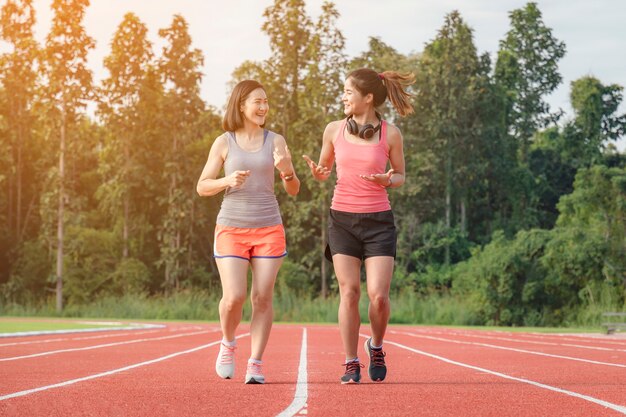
(265, 135)
(380, 135)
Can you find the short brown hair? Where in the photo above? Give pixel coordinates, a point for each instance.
(233, 119)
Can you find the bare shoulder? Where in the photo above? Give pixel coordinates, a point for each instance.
(394, 136)
(221, 140)
(332, 129)
(279, 140)
(220, 145)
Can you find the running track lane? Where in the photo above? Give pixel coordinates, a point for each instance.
(568, 369)
(422, 381)
(526, 371)
(26, 373)
(419, 384)
(185, 384)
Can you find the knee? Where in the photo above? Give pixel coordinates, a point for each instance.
(233, 303)
(261, 302)
(379, 301)
(350, 295)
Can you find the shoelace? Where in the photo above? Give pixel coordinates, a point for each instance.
(378, 357)
(227, 354)
(353, 367)
(254, 369)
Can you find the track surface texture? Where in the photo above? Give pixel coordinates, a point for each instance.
(432, 371)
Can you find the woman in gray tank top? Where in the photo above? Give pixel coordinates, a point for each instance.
(249, 232)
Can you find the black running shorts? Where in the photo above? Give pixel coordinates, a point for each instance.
(361, 235)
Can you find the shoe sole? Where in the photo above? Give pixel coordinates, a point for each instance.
(229, 376)
(254, 381)
(366, 346)
(351, 382)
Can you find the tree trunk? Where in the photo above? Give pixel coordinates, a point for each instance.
(172, 236)
(126, 201)
(125, 231)
(324, 290)
(11, 184)
(59, 269)
(177, 274)
(28, 213)
(463, 216)
(20, 169)
(448, 197)
(192, 216)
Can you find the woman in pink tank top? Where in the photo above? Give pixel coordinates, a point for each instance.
(369, 156)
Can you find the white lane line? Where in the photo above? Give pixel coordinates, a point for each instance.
(131, 326)
(532, 342)
(531, 352)
(602, 339)
(126, 342)
(33, 342)
(615, 407)
(595, 338)
(301, 395)
(112, 372)
(65, 339)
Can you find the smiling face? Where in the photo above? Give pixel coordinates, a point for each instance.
(255, 107)
(353, 101)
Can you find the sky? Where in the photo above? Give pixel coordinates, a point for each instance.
(228, 32)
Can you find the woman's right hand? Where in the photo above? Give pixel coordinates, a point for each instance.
(237, 178)
(319, 172)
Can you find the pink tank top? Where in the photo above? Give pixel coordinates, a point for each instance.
(352, 193)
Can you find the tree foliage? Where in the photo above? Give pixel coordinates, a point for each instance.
(504, 209)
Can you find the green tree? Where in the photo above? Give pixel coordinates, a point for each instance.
(504, 280)
(595, 120)
(527, 70)
(496, 180)
(553, 176)
(598, 204)
(289, 29)
(179, 66)
(127, 64)
(446, 113)
(19, 77)
(69, 85)
(557, 153)
(319, 104)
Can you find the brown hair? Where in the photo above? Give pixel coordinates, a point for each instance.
(387, 84)
(233, 119)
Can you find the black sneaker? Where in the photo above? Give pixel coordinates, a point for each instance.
(353, 373)
(377, 369)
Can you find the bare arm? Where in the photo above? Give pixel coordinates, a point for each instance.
(396, 157)
(284, 164)
(209, 184)
(321, 171)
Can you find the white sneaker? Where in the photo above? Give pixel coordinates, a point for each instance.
(225, 363)
(254, 374)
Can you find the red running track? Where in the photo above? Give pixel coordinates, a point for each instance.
(432, 372)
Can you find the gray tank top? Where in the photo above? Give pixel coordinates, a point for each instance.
(253, 204)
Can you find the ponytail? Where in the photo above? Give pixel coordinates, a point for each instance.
(388, 84)
(396, 84)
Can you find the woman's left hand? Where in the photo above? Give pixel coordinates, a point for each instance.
(384, 180)
(282, 159)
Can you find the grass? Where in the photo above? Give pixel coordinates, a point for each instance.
(15, 325)
(22, 324)
(289, 307)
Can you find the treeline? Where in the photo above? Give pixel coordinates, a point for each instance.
(514, 209)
